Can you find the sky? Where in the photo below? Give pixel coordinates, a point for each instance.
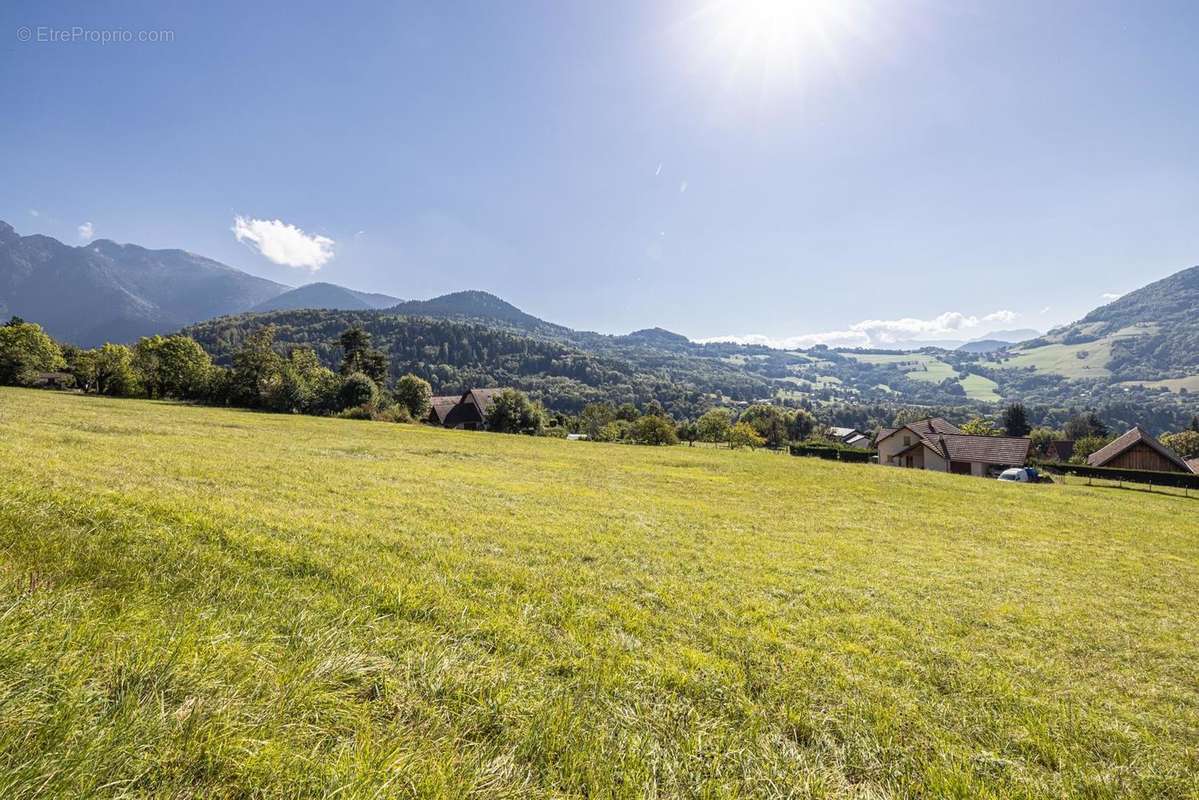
(783, 171)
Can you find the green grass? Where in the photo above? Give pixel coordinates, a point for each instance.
(1190, 383)
(981, 388)
(210, 603)
(1075, 361)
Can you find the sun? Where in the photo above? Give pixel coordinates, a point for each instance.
(774, 44)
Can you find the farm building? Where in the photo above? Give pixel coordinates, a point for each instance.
(467, 411)
(1137, 449)
(938, 445)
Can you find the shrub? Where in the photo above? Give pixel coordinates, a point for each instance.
(397, 412)
(513, 412)
(653, 429)
(415, 395)
(357, 390)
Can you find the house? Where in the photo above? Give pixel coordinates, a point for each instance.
(53, 380)
(1061, 450)
(1194, 465)
(1137, 449)
(859, 440)
(938, 445)
(468, 411)
(850, 437)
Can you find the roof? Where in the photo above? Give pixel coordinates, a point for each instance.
(922, 427)
(1011, 450)
(442, 406)
(1194, 465)
(860, 440)
(1063, 447)
(1134, 436)
(844, 433)
(483, 398)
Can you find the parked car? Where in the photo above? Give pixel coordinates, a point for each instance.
(1020, 475)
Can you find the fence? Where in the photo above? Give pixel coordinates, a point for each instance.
(1175, 480)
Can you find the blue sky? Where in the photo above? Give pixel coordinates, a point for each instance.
(865, 169)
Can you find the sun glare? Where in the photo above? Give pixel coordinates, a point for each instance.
(775, 44)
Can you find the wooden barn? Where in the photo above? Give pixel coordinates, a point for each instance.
(1137, 449)
(468, 411)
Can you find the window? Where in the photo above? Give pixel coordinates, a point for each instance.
(907, 441)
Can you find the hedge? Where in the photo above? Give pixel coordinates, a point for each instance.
(833, 453)
(1178, 480)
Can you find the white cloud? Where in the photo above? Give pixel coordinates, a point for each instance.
(877, 332)
(682, 187)
(284, 244)
(1046, 309)
(33, 212)
(1111, 296)
(86, 231)
(658, 171)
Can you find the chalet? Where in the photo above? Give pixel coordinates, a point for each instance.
(1061, 450)
(938, 445)
(467, 411)
(1137, 449)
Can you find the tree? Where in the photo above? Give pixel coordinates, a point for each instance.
(414, 394)
(769, 421)
(1015, 420)
(1184, 443)
(688, 432)
(25, 350)
(358, 391)
(1041, 438)
(257, 369)
(171, 366)
(1085, 425)
(360, 357)
(1085, 446)
(714, 425)
(513, 412)
(801, 424)
(112, 370)
(744, 435)
(594, 417)
(980, 427)
(1195, 423)
(654, 429)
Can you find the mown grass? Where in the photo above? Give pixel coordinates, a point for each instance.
(209, 603)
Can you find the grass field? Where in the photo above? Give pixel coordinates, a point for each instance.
(933, 370)
(209, 603)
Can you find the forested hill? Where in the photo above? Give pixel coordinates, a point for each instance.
(1153, 332)
(454, 355)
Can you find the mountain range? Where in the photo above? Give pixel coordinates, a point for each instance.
(1142, 348)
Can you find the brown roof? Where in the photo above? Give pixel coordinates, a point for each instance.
(1194, 465)
(442, 405)
(483, 398)
(1135, 435)
(1008, 450)
(921, 427)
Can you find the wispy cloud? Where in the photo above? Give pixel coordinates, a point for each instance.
(284, 244)
(1046, 309)
(1111, 296)
(86, 231)
(33, 212)
(878, 332)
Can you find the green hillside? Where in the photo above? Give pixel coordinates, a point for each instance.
(197, 602)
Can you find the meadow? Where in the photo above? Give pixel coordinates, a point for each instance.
(198, 602)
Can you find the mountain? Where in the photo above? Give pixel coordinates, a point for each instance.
(475, 305)
(325, 295)
(104, 291)
(998, 340)
(1151, 334)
